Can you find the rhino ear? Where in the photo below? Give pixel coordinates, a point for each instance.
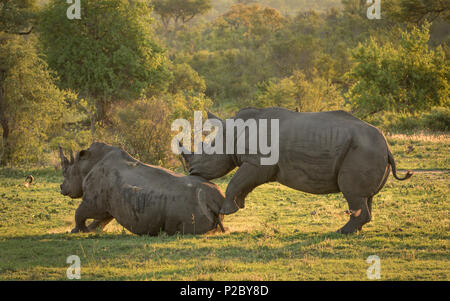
(84, 154)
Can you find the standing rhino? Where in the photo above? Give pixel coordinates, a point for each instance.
(319, 153)
(142, 198)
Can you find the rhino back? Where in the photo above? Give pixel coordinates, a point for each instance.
(313, 146)
(147, 199)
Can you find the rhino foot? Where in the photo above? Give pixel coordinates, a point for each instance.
(349, 228)
(78, 230)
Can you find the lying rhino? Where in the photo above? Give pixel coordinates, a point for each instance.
(142, 198)
(319, 153)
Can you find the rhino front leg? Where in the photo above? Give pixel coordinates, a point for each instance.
(247, 178)
(81, 215)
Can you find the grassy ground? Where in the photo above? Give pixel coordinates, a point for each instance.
(282, 234)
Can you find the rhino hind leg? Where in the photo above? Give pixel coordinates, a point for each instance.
(99, 224)
(84, 212)
(360, 214)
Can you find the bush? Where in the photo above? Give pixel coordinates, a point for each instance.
(142, 128)
(438, 119)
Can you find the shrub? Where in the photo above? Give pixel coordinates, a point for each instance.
(438, 119)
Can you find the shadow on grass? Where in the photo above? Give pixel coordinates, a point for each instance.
(243, 247)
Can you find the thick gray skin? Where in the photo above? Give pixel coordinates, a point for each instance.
(142, 198)
(320, 153)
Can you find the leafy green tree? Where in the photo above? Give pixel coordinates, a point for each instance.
(143, 127)
(107, 55)
(18, 16)
(253, 19)
(31, 107)
(177, 11)
(399, 76)
(419, 11)
(298, 93)
(186, 80)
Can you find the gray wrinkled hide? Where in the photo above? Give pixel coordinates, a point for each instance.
(142, 198)
(319, 153)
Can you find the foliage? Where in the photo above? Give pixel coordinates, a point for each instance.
(419, 11)
(186, 80)
(180, 10)
(143, 127)
(438, 119)
(106, 56)
(407, 75)
(296, 92)
(32, 105)
(306, 55)
(17, 16)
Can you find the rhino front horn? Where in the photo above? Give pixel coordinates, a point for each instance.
(71, 157)
(64, 161)
(212, 116)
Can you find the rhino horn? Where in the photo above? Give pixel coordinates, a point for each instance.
(212, 116)
(64, 161)
(184, 152)
(71, 157)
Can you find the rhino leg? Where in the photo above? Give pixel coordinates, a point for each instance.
(369, 207)
(247, 178)
(99, 224)
(84, 212)
(360, 214)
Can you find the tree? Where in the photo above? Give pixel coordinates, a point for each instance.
(419, 11)
(143, 127)
(253, 19)
(296, 92)
(18, 16)
(180, 10)
(400, 76)
(31, 105)
(108, 55)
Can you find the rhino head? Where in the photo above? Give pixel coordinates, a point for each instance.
(209, 166)
(75, 169)
(72, 185)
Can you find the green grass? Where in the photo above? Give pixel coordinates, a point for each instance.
(282, 234)
(430, 151)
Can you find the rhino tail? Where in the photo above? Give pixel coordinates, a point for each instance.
(394, 169)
